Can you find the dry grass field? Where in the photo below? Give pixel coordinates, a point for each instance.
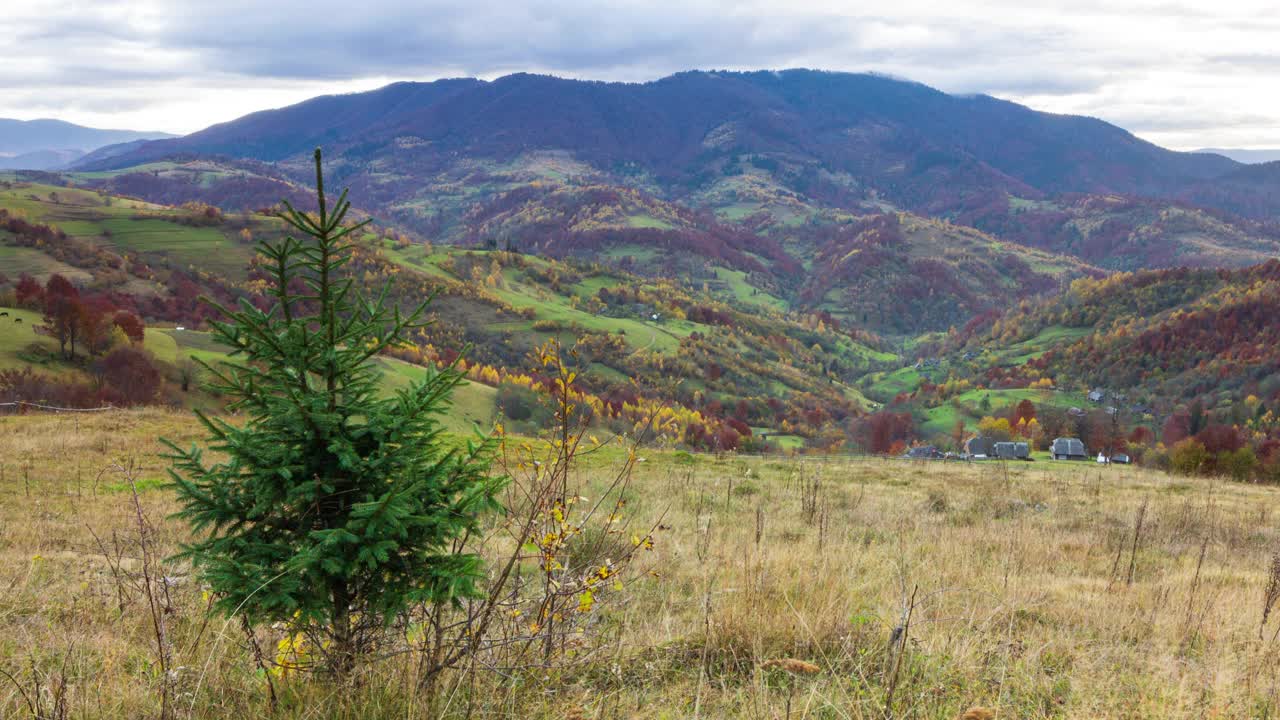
(776, 588)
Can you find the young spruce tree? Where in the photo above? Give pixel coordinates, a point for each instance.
(336, 507)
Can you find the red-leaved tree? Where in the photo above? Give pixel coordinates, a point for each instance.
(29, 293)
(62, 310)
(131, 325)
(881, 431)
(95, 324)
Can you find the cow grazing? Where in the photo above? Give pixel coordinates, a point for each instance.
(17, 320)
(4, 314)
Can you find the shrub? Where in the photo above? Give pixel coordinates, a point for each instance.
(129, 375)
(1237, 464)
(1187, 456)
(29, 386)
(1157, 457)
(523, 404)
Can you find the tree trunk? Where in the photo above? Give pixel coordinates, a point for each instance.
(343, 653)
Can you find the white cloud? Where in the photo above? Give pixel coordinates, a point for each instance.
(1180, 73)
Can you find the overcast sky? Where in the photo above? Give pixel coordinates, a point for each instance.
(1182, 73)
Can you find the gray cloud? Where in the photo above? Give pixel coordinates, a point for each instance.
(1158, 65)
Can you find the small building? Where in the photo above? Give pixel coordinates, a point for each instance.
(980, 447)
(1120, 458)
(1013, 451)
(1069, 449)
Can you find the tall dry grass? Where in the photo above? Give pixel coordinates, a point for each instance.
(814, 589)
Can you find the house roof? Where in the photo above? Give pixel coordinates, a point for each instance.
(1068, 446)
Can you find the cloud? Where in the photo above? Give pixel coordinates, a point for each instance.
(1248, 61)
(182, 64)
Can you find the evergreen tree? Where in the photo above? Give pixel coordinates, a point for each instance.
(1197, 421)
(335, 508)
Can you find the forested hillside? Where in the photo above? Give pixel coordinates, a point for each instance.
(723, 367)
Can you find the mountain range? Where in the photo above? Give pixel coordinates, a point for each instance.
(884, 132)
(49, 144)
(816, 185)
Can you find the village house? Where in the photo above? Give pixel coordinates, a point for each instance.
(1069, 449)
(1013, 451)
(980, 447)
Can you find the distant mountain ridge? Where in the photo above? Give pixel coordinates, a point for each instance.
(1248, 156)
(40, 160)
(824, 191)
(854, 122)
(48, 144)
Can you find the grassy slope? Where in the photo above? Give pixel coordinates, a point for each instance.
(941, 419)
(556, 308)
(1034, 347)
(16, 338)
(521, 293)
(735, 282)
(1021, 605)
(15, 261)
(133, 226)
(20, 344)
(473, 405)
